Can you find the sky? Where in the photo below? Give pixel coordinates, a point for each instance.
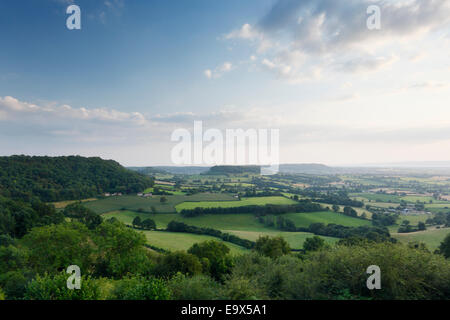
(338, 92)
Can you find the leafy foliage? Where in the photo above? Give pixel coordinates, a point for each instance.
(55, 288)
(66, 178)
(272, 247)
(138, 288)
(17, 217)
(215, 255)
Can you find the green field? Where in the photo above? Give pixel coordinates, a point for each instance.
(260, 201)
(63, 204)
(387, 200)
(432, 238)
(135, 203)
(243, 225)
(378, 197)
(295, 239)
(216, 221)
(414, 219)
(174, 241)
(326, 217)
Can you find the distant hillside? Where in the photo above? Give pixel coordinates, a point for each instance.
(183, 170)
(310, 168)
(65, 178)
(224, 170)
(148, 171)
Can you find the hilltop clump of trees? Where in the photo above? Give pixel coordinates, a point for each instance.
(230, 170)
(65, 178)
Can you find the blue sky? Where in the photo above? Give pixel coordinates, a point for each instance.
(145, 55)
(137, 70)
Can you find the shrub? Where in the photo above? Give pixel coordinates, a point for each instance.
(178, 262)
(139, 288)
(55, 288)
(406, 273)
(272, 247)
(198, 287)
(218, 261)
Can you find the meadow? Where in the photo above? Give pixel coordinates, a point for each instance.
(217, 221)
(136, 203)
(326, 217)
(245, 226)
(432, 237)
(174, 241)
(294, 239)
(259, 201)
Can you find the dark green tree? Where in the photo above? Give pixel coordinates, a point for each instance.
(444, 247)
(272, 247)
(218, 261)
(313, 244)
(137, 223)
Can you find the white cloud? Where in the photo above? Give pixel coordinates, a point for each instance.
(331, 35)
(208, 73)
(218, 71)
(365, 64)
(249, 33)
(12, 108)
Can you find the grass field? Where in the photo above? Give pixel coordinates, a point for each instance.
(217, 221)
(295, 239)
(63, 204)
(387, 200)
(243, 202)
(242, 225)
(326, 217)
(376, 197)
(135, 203)
(174, 241)
(432, 238)
(414, 219)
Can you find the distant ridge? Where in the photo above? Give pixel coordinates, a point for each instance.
(224, 170)
(418, 167)
(310, 168)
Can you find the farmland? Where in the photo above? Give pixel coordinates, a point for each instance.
(245, 226)
(187, 192)
(326, 217)
(257, 201)
(175, 241)
(432, 238)
(130, 202)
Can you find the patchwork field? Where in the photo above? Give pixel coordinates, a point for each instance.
(242, 225)
(136, 203)
(432, 238)
(391, 199)
(174, 241)
(217, 221)
(326, 217)
(63, 204)
(243, 202)
(295, 239)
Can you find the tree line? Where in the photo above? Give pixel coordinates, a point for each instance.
(175, 226)
(259, 210)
